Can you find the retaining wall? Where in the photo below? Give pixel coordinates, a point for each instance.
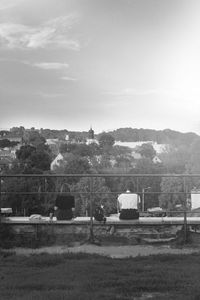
(40, 234)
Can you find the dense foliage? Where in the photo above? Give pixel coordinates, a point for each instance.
(166, 136)
(182, 156)
(5, 143)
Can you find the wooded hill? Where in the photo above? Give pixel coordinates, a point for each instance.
(166, 136)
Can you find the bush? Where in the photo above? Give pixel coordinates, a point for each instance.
(7, 238)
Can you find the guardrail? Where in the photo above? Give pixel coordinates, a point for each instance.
(139, 188)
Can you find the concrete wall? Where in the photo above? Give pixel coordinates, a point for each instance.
(42, 234)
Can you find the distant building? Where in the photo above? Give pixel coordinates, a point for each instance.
(67, 137)
(156, 160)
(56, 162)
(159, 148)
(7, 157)
(136, 155)
(51, 141)
(91, 133)
(15, 139)
(7, 153)
(4, 133)
(195, 199)
(91, 138)
(5, 163)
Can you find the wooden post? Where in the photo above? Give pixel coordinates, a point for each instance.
(185, 227)
(137, 191)
(0, 198)
(185, 213)
(91, 237)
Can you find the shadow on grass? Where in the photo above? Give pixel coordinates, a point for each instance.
(86, 276)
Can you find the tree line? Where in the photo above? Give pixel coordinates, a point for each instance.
(35, 157)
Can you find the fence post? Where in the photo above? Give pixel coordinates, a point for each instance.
(0, 198)
(185, 212)
(137, 191)
(91, 237)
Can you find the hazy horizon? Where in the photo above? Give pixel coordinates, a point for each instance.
(95, 131)
(103, 63)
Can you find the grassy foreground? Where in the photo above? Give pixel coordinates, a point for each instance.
(84, 276)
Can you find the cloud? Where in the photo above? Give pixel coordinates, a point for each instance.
(133, 92)
(172, 92)
(58, 69)
(55, 66)
(54, 34)
(68, 78)
(41, 65)
(6, 4)
(50, 95)
(51, 65)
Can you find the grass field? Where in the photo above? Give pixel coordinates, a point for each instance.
(84, 276)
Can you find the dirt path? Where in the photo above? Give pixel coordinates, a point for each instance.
(111, 251)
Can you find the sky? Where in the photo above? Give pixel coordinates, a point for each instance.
(73, 64)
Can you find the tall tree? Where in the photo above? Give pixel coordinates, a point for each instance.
(34, 138)
(21, 193)
(171, 187)
(106, 142)
(146, 150)
(80, 149)
(34, 158)
(146, 166)
(73, 164)
(100, 196)
(124, 158)
(175, 159)
(193, 165)
(24, 153)
(6, 143)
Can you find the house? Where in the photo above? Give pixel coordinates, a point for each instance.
(7, 157)
(195, 199)
(136, 155)
(159, 148)
(56, 162)
(51, 141)
(7, 153)
(5, 163)
(15, 139)
(156, 160)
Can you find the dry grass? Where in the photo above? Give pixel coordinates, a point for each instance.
(84, 276)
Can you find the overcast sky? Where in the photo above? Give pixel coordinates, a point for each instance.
(106, 63)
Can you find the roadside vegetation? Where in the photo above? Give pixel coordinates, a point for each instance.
(84, 276)
(27, 196)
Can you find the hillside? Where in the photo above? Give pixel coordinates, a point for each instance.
(166, 136)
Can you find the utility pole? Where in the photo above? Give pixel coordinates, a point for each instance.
(143, 195)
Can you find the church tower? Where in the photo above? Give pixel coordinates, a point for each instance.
(90, 138)
(91, 134)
